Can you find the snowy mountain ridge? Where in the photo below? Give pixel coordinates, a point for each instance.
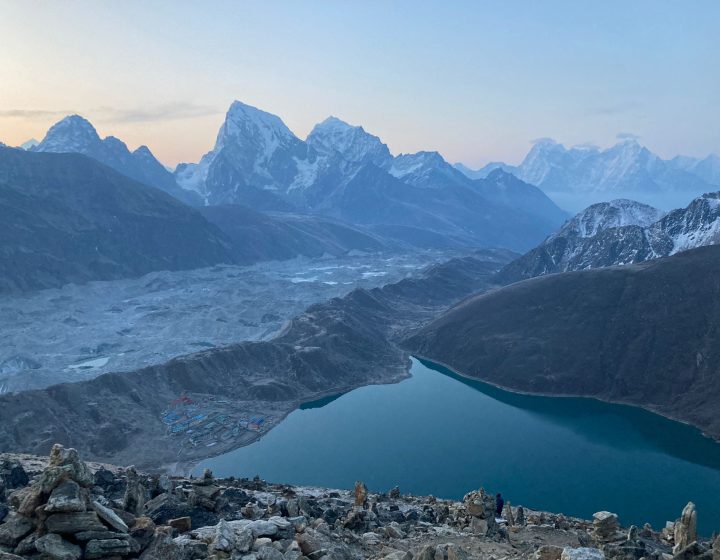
(75, 134)
(627, 167)
(618, 233)
(606, 215)
(347, 173)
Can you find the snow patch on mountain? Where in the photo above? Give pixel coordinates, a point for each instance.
(29, 144)
(352, 143)
(606, 215)
(73, 134)
(618, 233)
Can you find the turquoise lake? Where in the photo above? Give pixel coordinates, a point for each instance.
(441, 434)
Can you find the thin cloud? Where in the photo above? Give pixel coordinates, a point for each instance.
(33, 113)
(627, 136)
(167, 112)
(616, 109)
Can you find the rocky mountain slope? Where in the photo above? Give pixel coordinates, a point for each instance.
(643, 334)
(76, 135)
(258, 236)
(626, 167)
(620, 232)
(346, 173)
(67, 218)
(345, 343)
(71, 510)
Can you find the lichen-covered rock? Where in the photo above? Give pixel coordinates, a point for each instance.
(14, 529)
(110, 547)
(134, 498)
(65, 498)
(71, 523)
(55, 547)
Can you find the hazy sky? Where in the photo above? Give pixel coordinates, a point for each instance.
(475, 80)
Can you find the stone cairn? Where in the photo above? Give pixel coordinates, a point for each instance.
(685, 530)
(481, 508)
(605, 527)
(56, 516)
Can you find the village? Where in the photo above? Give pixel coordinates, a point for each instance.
(196, 421)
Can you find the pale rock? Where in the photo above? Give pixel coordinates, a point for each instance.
(110, 517)
(261, 542)
(262, 528)
(399, 555)
(685, 531)
(583, 553)
(224, 539)
(371, 539)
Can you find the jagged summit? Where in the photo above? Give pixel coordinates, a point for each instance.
(627, 167)
(75, 134)
(621, 232)
(352, 143)
(245, 123)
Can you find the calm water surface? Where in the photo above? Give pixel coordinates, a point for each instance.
(437, 433)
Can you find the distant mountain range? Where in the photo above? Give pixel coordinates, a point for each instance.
(626, 169)
(620, 232)
(340, 172)
(76, 135)
(68, 218)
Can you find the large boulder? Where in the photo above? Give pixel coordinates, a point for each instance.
(163, 547)
(110, 547)
(605, 527)
(12, 475)
(14, 529)
(71, 523)
(55, 547)
(65, 498)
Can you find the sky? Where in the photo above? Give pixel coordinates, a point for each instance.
(476, 80)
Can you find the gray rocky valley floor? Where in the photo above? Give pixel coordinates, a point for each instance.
(81, 331)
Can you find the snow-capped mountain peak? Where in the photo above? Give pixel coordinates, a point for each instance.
(420, 162)
(245, 124)
(29, 144)
(352, 143)
(606, 215)
(72, 134)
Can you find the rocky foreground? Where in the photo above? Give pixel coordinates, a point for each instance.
(66, 509)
